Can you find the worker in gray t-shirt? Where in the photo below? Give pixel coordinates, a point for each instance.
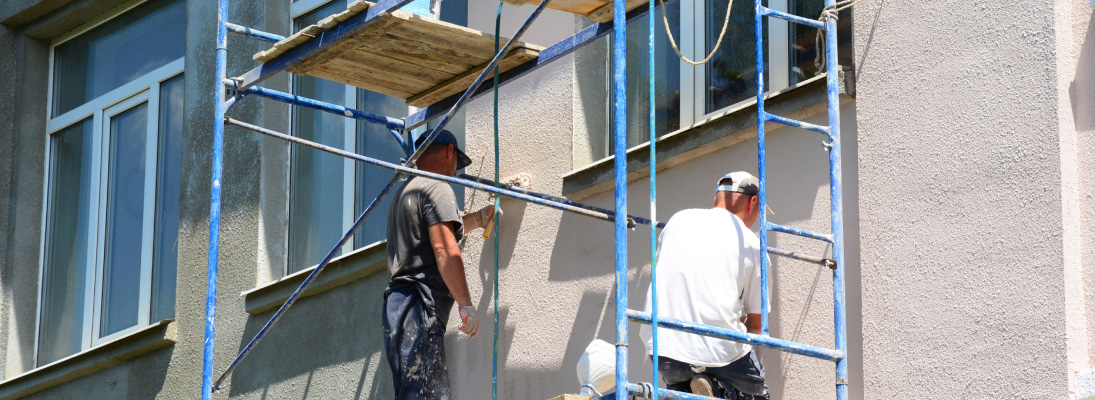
(427, 273)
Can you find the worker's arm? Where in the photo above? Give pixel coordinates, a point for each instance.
(478, 219)
(752, 323)
(450, 263)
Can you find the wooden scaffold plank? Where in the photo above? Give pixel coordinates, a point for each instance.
(421, 60)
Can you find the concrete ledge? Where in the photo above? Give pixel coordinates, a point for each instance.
(358, 264)
(154, 337)
(50, 18)
(722, 130)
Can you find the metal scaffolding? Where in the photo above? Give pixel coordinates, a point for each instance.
(247, 85)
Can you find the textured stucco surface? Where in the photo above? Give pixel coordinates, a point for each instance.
(963, 289)
(23, 156)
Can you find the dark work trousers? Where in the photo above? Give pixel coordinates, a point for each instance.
(414, 340)
(742, 379)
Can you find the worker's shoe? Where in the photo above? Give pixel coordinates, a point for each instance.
(703, 385)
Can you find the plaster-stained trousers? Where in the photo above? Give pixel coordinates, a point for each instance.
(414, 340)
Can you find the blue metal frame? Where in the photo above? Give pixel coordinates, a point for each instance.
(215, 200)
(253, 33)
(246, 85)
(835, 183)
(619, 120)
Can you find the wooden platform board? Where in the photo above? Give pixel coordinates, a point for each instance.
(404, 55)
(597, 10)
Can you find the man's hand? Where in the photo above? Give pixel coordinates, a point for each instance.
(469, 320)
(479, 219)
(486, 214)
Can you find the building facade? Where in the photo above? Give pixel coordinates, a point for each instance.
(969, 192)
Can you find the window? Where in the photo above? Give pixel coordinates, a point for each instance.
(328, 192)
(112, 193)
(687, 94)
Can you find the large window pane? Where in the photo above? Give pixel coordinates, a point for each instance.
(667, 80)
(732, 73)
(66, 257)
(124, 220)
(316, 182)
(117, 52)
(169, 173)
(375, 141)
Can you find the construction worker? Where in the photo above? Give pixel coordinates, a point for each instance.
(708, 265)
(427, 273)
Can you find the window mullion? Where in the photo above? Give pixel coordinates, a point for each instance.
(778, 48)
(698, 81)
(96, 230)
(349, 129)
(152, 145)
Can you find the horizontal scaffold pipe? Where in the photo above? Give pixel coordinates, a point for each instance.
(389, 122)
(645, 391)
(253, 33)
(742, 337)
(827, 262)
(563, 200)
(548, 55)
(415, 172)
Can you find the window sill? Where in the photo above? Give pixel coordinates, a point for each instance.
(718, 131)
(151, 338)
(358, 264)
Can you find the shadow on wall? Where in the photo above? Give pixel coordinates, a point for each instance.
(513, 216)
(327, 338)
(1082, 89)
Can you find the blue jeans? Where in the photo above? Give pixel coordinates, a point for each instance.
(414, 340)
(742, 379)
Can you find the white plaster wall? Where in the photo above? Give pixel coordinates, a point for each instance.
(965, 168)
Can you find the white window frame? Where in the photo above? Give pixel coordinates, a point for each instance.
(142, 90)
(144, 306)
(694, 46)
(693, 79)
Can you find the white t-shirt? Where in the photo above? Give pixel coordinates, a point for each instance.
(708, 272)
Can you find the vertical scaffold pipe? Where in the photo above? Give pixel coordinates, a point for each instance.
(837, 200)
(762, 196)
(215, 200)
(619, 117)
(497, 214)
(653, 195)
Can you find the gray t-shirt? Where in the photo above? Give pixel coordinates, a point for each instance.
(421, 202)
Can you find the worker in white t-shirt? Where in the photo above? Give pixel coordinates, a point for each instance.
(709, 272)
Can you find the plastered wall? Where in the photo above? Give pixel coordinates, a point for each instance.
(975, 185)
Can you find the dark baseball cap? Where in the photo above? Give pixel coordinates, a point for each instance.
(446, 137)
